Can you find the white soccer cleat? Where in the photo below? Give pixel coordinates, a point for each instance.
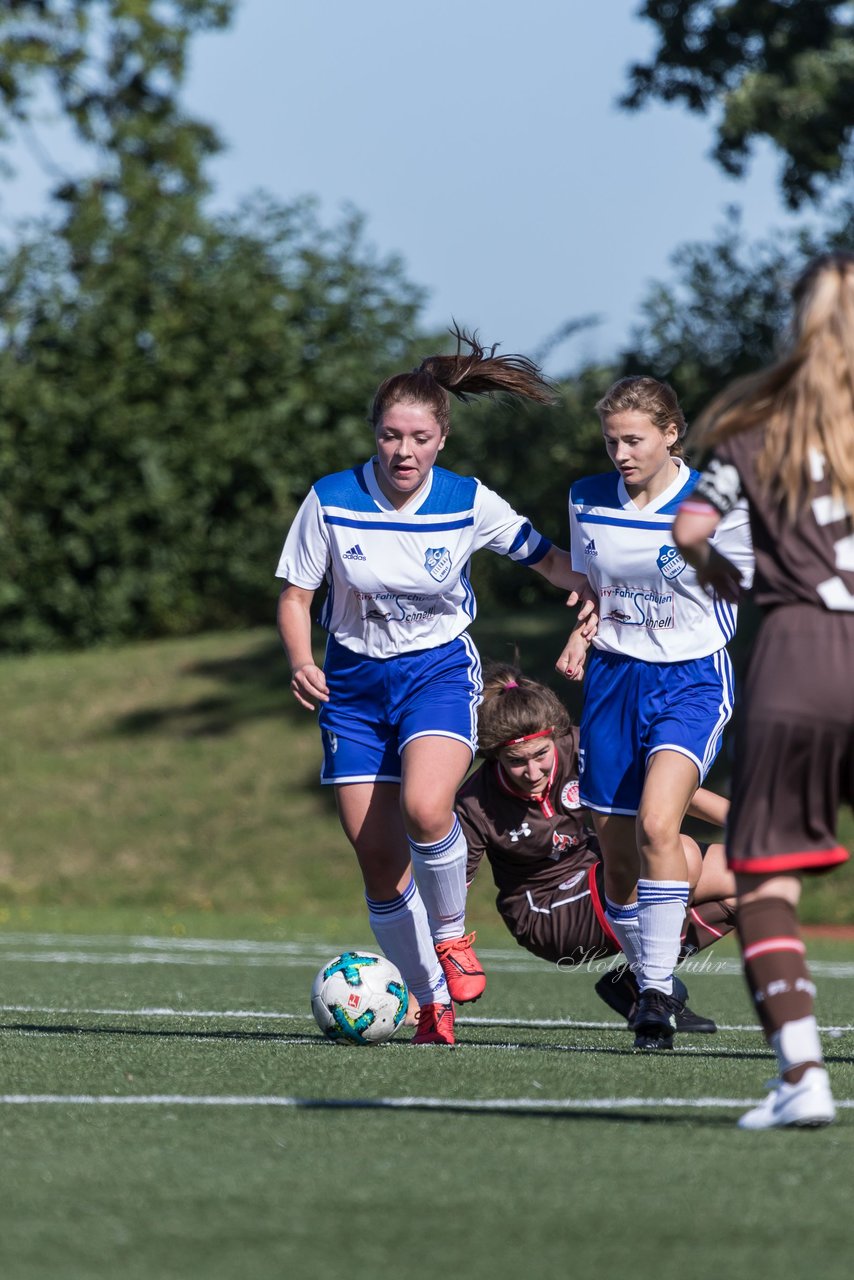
(805, 1105)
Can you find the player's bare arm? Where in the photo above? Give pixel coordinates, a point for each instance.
(308, 683)
(693, 527)
(574, 653)
(709, 807)
(556, 568)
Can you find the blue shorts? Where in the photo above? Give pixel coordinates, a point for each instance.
(633, 709)
(377, 705)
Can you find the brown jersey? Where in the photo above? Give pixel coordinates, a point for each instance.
(532, 845)
(794, 754)
(807, 561)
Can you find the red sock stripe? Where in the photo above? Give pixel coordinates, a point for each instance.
(773, 944)
(703, 925)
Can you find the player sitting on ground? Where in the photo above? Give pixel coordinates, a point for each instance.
(521, 809)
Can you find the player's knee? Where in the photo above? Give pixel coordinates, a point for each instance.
(657, 834)
(426, 821)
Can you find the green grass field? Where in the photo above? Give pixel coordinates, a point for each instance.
(169, 1109)
(179, 779)
(171, 877)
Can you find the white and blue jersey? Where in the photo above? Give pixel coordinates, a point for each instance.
(651, 605)
(398, 579)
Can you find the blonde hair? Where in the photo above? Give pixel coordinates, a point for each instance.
(514, 706)
(643, 394)
(472, 372)
(805, 401)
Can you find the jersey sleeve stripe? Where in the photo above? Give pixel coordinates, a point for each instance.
(521, 537)
(541, 549)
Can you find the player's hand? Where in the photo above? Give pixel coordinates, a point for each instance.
(576, 672)
(586, 597)
(308, 685)
(573, 656)
(588, 619)
(720, 577)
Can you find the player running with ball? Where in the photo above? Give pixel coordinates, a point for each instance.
(398, 692)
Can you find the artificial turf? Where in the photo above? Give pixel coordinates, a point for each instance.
(169, 1109)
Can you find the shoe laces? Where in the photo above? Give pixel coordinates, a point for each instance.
(457, 944)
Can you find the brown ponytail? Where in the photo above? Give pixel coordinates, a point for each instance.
(477, 371)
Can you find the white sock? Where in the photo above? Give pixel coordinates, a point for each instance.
(661, 915)
(440, 870)
(796, 1042)
(403, 933)
(624, 925)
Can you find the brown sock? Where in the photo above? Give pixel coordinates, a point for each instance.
(776, 971)
(706, 924)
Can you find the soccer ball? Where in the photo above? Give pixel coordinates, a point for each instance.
(359, 998)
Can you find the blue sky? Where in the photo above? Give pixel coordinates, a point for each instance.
(482, 141)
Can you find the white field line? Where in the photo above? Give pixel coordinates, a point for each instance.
(141, 950)
(269, 1015)
(389, 1103)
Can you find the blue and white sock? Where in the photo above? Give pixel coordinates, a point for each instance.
(440, 870)
(624, 925)
(661, 914)
(402, 931)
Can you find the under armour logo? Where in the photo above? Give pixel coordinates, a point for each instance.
(524, 830)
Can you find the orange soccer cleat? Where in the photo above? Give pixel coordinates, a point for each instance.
(435, 1024)
(461, 967)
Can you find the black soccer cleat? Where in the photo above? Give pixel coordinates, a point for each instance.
(655, 1020)
(687, 1019)
(619, 990)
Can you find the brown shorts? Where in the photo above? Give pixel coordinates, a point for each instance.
(794, 754)
(565, 925)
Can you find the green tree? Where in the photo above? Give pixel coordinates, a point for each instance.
(530, 454)
(163, 409)
(776, 69)
(170, 383)
(721, 314)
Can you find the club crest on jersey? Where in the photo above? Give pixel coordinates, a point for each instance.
(560, 843)
(437, 562)
(670, 562)
(569, 795)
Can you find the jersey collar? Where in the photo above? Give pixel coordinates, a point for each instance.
(663, 498)
(411, 504)
(543, 801)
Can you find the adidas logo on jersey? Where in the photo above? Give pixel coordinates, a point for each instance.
(355, 553)
(590, 548)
